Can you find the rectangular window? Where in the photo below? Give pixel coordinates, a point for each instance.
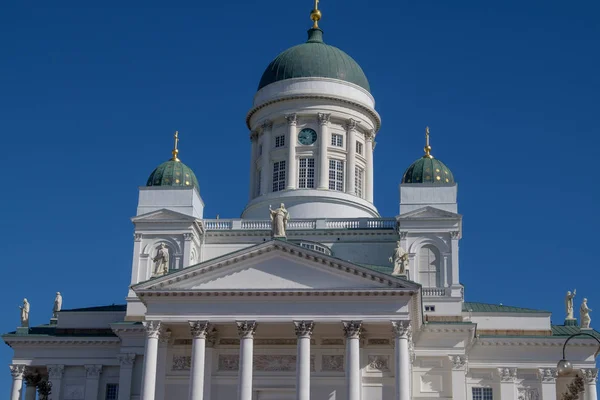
(259, 177)
(337, 140)
(358, 181)
(278, 176)
(482, 393)
(306, 173)
(336, 175)
(280, 141)
(430, 308)
(359, 148)
(112, 391)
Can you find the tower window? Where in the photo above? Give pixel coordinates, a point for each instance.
(306, 173)
(278, 175)
(112, 391)
(259, 178)
(429, 308)
(359, 148)
(429, 266)
(480, 393)
(336, 175)
(280, 141)
(337, 140)
(358, 181)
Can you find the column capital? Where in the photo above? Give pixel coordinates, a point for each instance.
(403, 234)
(188, 236)
(590, 375)
(370, 135)
(17, 370)
(152, 329)
(458, 362)
(402, 329)
(455, 235)
(292, 119)
(304, 329)
(93, 371)
(253, 135)
(126, 359)
(164, 335)
(352, 329)
(267, 125)
(352, 124)
(323, 118)
(137, 237)
(507, 375)
(199, 329)
(547, 375)
(55, 371)
(246, 329)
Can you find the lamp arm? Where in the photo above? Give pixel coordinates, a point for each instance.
(580, 334)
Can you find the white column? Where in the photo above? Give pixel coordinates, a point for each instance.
(291, 141)
(455, 236)
(266, 168)
(246, 331)
(164, 339)
(253, 156)
(508, 385)
(126, 362)
(459, 376)
(17, 372)
(351, 155)
(352, 331)
(92, 381)
(30, 380)
(590, 376)
(369, 137)
(150, 360)
(55, 375)
(303, 332)
(323, 145)
(199, 330)
(402, 335)
(548, 379)
(208, 363)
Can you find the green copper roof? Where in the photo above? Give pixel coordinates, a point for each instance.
(428, 170)
(314, 59)
(484, 307)
(173, 173)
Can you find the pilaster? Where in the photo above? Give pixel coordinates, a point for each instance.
(455, 237)
(55, 375)
(590, 376)
(291, 142)
(548, 380)
(92, 381)
(459, 376)
(188, 242)
(126, 362)
(508, 383)
(351, 126)
(369, 137)
(164, 340)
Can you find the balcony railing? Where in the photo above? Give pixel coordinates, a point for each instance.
(434, 292)
(300, 224)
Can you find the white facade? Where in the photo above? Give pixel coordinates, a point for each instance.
(316, 316)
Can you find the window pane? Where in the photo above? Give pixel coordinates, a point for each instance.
(358, 181)
(112, 391)
(306, 173)
(278, 176)
(336, 175)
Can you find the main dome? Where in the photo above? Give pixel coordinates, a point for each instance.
(314, 59)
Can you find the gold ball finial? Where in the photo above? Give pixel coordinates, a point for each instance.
(427, 147)
(175, 151)
(315, 15)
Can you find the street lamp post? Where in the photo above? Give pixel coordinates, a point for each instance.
(565, 368)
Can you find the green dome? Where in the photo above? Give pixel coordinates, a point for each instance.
(428, 170)
(173, 173)
(314, 59)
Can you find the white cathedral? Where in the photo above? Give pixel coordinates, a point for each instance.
(311, 294)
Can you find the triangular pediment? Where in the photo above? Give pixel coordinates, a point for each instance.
(430, 213)
(163, 215)
(275, 266)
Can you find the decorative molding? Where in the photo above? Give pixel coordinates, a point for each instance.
(507, 374)
(229, 342)
(283, 293)
(229, 362)
(292, 119)
(181, 363)
(332, 363)
(93, 371)
(246, 329)
(126, 359)
(547, 375)
(55, 371)
(332, 342)
(379, 342)
(275, 342)
(378, 363)
(590, 375)
(199, 329)
(351, 124)
(352, 329)
(528, 394)
(17, 370)
(402, 329)
(458, 362)
(304, 329)
(323, 118)
(455, 234)
(62, 341)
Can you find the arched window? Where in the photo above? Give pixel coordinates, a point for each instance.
(429, 266)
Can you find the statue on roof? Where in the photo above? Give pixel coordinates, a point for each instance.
(57, 305)
(24, 314)
(584, 315)
(400, 260)
(569, 303)
(162, 260)
(279, 220)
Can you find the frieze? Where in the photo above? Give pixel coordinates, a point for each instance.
(332, 363)
(332, 342)
(379, 342)
(183, 342)
(274, 363)
(378, 363)
(229, 362)
(229, 342)
(182, 363)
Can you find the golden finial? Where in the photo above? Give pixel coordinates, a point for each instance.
(175, 152)
(315, 15)
(427, 147)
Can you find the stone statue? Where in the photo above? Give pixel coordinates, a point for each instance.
(279, 220)
(400, 260)
(569, 304)
(57, 305)
(161, 260)
(24, 314)
(584, 314)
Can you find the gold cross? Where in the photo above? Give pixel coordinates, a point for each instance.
(175, 151)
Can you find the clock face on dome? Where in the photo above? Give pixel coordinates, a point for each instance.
(307, 136)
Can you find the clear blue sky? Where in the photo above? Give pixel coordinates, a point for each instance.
(90, 97)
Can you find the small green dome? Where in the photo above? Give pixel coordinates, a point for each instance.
(314, 59)
(173, 173)
(428, 170)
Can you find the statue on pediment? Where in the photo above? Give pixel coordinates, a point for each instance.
(569, 303)
(162, 260)
(25, 314)
(584, 314)
(400, 260)
(279, 220)
(57, 305)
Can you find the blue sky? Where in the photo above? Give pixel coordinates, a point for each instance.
(90, 97)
